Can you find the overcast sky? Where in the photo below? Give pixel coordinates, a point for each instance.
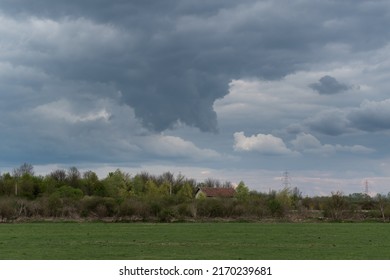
(233, 90)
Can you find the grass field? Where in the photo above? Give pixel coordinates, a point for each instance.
(194, 241)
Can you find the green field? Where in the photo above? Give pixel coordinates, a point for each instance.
(194, 241)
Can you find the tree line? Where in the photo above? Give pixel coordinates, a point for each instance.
(70, 194)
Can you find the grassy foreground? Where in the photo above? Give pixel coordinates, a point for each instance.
(194, 241)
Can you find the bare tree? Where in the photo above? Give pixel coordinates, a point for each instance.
(336, 205)
(73, 176)
(382, 204)
(212, 183)
(25, 168)
(58, 175)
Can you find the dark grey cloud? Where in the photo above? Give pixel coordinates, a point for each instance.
(371, 116)
(329, 122)
(329, 85)
(172, 59)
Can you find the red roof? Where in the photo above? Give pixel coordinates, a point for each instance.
(218, 192)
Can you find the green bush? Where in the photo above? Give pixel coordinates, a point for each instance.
(212, 208)
(54, 205)
(166, 215)
(185, 210)
(276, 208)
(127, 208)
(69, 192)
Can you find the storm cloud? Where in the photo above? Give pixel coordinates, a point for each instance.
(331, 122)
(329, 85)
(171, 60)
(371, 116)
(137, 83)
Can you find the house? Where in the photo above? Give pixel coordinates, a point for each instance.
(215, 192)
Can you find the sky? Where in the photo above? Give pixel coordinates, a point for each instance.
(230, 90)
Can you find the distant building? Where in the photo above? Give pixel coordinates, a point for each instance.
(215, 192)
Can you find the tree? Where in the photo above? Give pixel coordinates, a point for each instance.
(165, 189)
(361, 201)
(151, 189)
(296, 197)
(212, 183)
(185, 192)
(58, 176)
(138, 185)
(25, 168)
(69, 192)
(29, 186)
(242, 191)
(73, 176)
(167, 177)
(7, 185)
(382, 202)
(336, 205)
(91, 184)
(285, 198)
(119, 183)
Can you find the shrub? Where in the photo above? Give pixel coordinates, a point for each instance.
(212, 208)
(98, 206)
(185, 210)
(276, 208)
(127, 208)
(7, 209)
(70, 193)
(54, 205)
(166, 215)
(335, 206)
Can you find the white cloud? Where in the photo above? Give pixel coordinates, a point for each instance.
(62, 110)
(67, 37)
(112, 129)
(307, 143)
(172, 146)
(21, 75)
(262, 143)
(355, 149)
(277, 103)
